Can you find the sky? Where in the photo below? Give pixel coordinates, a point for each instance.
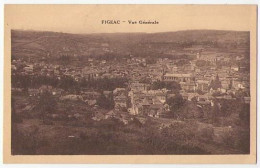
(87, 18)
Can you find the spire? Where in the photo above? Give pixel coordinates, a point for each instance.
(216, 83)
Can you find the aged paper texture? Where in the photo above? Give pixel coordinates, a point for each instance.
(130, 84)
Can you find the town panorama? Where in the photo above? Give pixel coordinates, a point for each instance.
(184, 92)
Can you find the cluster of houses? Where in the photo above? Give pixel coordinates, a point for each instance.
(120, 99)
(148, 102)
(197, 83)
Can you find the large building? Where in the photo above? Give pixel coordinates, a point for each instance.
(202, 85)
(169, 77)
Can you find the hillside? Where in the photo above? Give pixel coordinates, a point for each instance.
(39, 44)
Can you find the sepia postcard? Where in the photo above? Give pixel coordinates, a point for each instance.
(130, 84)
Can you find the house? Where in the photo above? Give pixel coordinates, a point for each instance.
(137, 109)
(235, 68)
(45, 88)
(153, 113)
(184, 94)
(13, 67)
(192, 95)
(28, 68)
(247, 100)
(204, 103)
(202, 85)
(169, 95)
(28, 108)
(147, 105)
(16, 89)
(90, 95)
(136, 86)
(239, 58)
(119, 91)
(33, 92)
(169, 77)
(78, 116)
(107, 93)
(227, 97)
(188, 86)
(57, 92)
(71, 97)
(204, 97)
(225, 84)
(97, 116)
(208, 56)
(120, 102)
(111, 114)
(156, 110)
(91, 102)
(90, 74)
(158, 94)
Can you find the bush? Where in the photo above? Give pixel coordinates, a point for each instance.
(47, 122)
(242, 140)
(227, 138)
(205, 134)
(76, 123)
(83, 135)
(17, 119)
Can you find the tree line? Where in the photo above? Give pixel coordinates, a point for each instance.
(67, 83)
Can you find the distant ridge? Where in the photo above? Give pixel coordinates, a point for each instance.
(39, 43)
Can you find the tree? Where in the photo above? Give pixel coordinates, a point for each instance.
(215, 112)
(244, 113)
(194, 99)
(151, 60)
(215, 84)
(202, 63)
(145, 80)
(200, 92)
(182, 62)
(65, 59)
(14, 116)
(241, 94)
(47, 104)
(174, 86)
(175, 104)
(68, 83)
(135, 122)
(217, 93)
(104, 102)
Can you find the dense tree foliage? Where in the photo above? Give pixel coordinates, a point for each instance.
(244, 114)
(202, 63)
(151, 60)
(67, 83)
(145, 80)
(104, 84)
(174, 86)
(64, 59)
(175, 104)
(46, 104)
(105, 102)
(182, 62)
